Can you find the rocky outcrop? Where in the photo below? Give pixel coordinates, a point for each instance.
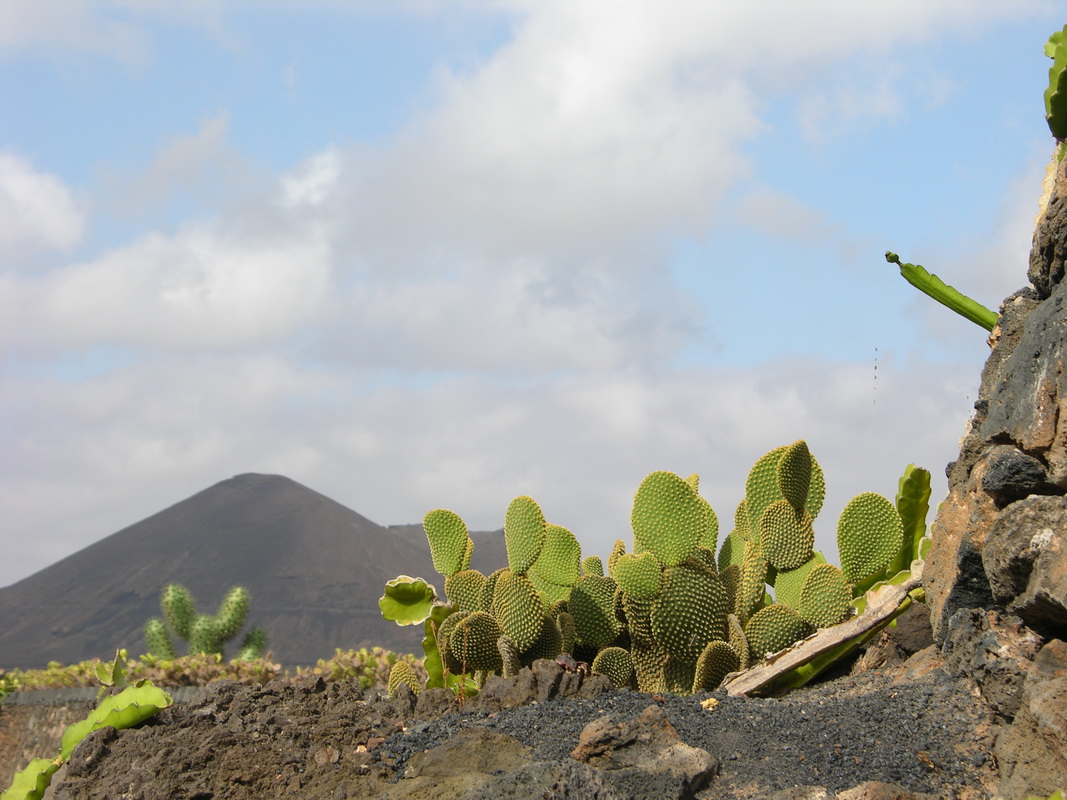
(1016, 444)
(1031, 753)
(996, 575)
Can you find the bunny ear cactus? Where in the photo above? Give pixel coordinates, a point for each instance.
(557, 566)
(450, 545)
(524, 534)
(668, 519)
(869, 535)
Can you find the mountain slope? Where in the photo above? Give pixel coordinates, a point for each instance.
(314, 568)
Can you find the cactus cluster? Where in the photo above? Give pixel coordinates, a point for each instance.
(679, 612)
(205, 633)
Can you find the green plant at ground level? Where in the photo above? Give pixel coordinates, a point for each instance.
(671, 615)
(205, 633)
(948, 296)
(132, 706)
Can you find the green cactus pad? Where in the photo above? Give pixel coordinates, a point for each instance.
(490, 587)
(402, 673)
(567, 631)
(710, 539)
(618, 665)
(518, 608)
(407, 600)
(913, 504)
(794, 474)
(466, 589)
(638, 616)
(132, 706)
(32, 781)
(678, 675)
(787, 583)
(735, 637)
(592, 604)
(825, 598)
(468, 552)
(524, 533)
(761, 489)
(205, 637)
(1056, 92)
(444, 632)
(548, 644)
(732, 551)
(667, 517)
(253, 646)
(559, 559)
(774, 628)
(753, 580)
(869, 534)
(716, 662)
(509, 657)
(158, 640)
(786, 535)
(179, 609)
(638, 575)
(592, 565)
(473, 642)
(649, 665)
(689, 612)
(702, 558)
(731, 581)
(740, 530)
(232, 613)
(447, 535)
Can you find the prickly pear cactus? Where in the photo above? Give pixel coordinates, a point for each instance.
(670, 615)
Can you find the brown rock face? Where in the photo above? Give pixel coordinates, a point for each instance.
(996, 578)
(1031, 753)
(1015, 448)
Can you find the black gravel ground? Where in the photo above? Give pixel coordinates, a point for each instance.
(924, 736)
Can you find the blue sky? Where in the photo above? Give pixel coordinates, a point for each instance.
(423, 254)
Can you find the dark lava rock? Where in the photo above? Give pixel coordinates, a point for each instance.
(1025, 560)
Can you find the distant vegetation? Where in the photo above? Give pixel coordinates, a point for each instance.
(369, 668)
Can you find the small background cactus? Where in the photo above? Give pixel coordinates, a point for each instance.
(205, 633)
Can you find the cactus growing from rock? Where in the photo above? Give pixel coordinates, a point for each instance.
(204, 633)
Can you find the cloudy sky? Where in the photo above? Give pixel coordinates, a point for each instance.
(424, 254)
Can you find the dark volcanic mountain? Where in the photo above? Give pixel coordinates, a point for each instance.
(314, 568)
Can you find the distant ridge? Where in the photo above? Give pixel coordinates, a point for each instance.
(314, 568)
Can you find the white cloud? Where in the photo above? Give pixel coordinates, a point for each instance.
(313, 181)
(69, 27)
(202, 166)
(198, 289)
(37, 211)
